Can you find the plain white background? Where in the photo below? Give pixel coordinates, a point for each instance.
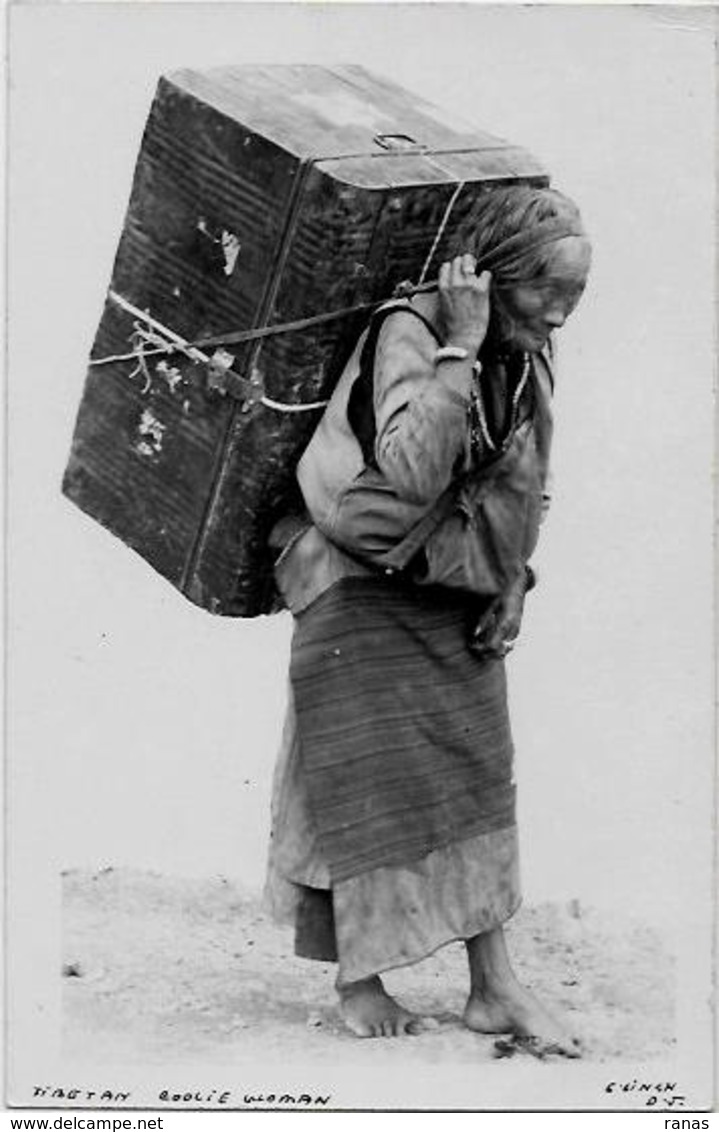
(142, 731)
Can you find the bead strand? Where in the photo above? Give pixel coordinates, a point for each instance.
(482, 419)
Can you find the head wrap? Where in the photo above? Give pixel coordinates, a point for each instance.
(503, 259)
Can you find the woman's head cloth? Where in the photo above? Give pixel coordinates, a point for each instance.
(509, 230)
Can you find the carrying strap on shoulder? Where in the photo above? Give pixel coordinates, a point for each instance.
(400, 556)
(360, 413)
(360, 406)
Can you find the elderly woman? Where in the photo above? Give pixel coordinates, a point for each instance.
(425, 483)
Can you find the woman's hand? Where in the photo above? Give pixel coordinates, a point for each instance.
(464, 302)
(496, 633)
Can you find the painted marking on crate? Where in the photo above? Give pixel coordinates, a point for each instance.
(170, 374)
(227, 241)
(231, 249)
(151, 433)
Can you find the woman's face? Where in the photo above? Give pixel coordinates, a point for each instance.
(527, 313)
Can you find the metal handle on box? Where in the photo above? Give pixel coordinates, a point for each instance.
(398, 143)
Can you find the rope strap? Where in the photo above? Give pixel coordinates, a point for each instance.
(150, 337)
(440, 230)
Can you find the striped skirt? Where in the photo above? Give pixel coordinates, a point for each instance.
(393, 810)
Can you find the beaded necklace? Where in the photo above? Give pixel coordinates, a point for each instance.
(478, 418)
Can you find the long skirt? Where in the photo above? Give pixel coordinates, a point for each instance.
(393, 816)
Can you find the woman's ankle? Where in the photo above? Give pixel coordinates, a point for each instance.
(490, 969)
(370, 985)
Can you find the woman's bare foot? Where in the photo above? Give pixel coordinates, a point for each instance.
(517, 1011)
(499, 1004)
(369, 1012)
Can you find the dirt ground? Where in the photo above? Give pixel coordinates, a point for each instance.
(158, 970)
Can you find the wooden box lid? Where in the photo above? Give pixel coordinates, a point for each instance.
(356, 123)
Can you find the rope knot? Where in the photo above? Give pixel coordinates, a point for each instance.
(404, 289)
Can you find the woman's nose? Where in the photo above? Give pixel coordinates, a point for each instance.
(555, 317)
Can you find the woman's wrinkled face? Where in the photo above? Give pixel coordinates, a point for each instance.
(529, 312)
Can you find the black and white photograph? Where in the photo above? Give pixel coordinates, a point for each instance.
(360, 631)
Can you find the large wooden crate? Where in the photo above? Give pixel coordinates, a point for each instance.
(261, 195)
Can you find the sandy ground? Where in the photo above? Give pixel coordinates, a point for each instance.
(163, 970)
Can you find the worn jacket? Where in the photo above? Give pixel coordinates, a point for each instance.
(359, 509)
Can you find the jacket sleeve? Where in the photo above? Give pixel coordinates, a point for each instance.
(420, 411)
